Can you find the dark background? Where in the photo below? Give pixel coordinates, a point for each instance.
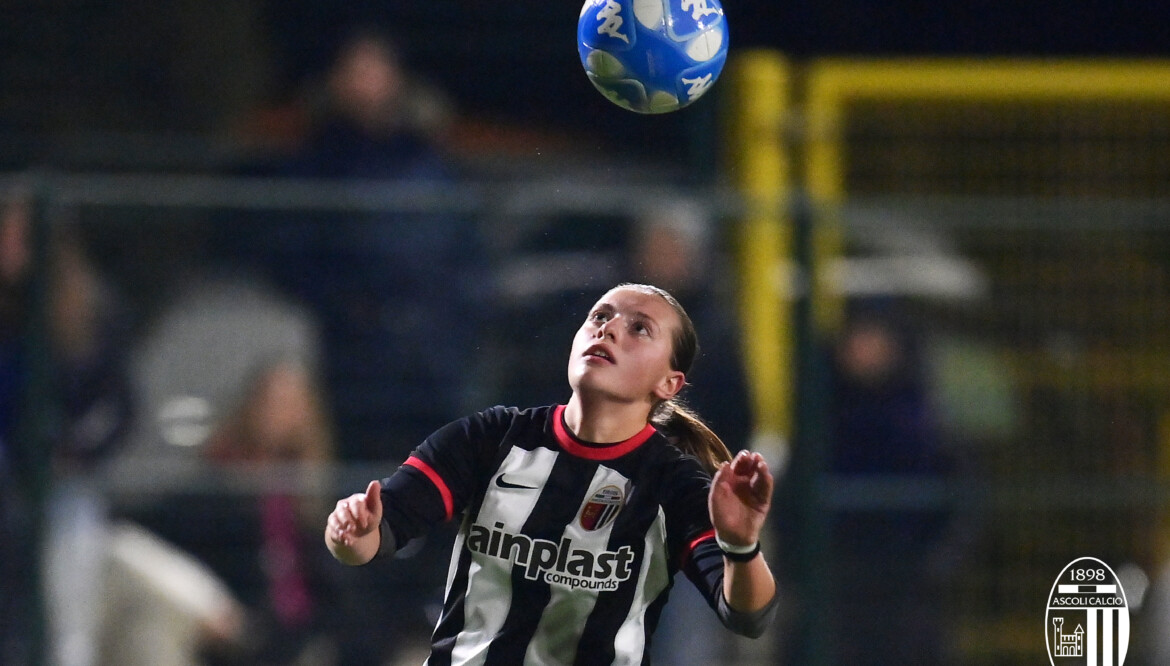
(80, 79)
(517, 61)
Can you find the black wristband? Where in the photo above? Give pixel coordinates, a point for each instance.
(742, 557)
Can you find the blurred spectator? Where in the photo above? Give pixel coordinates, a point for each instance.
(398, 296)
(112, 592)
(227, 376)
(886, 572)
(88, 332)
(389, 289)
(372, 117)
(86, 338)
(279, 430)
(15, 516)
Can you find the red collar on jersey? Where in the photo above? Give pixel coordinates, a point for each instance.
(579, 447)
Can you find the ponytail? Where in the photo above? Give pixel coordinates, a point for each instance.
(686, 430)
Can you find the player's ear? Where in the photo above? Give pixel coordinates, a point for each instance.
(670, 385)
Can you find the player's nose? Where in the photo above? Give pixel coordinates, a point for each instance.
(608, 329)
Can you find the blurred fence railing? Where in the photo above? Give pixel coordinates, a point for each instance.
(1013, 216)
(148, 234)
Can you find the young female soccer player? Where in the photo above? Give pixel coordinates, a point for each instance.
(575, 517)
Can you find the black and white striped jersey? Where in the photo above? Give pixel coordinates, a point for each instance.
(566, 549)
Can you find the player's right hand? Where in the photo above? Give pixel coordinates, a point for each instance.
(355, 517)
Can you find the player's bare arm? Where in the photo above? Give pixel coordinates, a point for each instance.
(741, 495)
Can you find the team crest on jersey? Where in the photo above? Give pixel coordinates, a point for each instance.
(602, 508)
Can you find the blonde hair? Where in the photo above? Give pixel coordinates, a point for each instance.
(681, 425)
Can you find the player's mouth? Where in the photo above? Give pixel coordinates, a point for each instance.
(599, 352)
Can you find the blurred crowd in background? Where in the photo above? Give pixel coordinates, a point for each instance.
(277, 343)
(278, 340)
(210, 372)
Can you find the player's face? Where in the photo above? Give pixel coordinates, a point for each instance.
(622, 351)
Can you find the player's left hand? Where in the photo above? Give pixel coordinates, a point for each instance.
(741, 495)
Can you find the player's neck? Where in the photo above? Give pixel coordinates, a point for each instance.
(604, 421)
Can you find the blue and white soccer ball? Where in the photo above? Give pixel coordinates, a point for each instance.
(652, 56)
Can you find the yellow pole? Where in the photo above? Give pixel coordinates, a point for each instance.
(825, 182)
(759, 170)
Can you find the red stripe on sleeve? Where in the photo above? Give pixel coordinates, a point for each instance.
(686, 556)
(448, 500)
